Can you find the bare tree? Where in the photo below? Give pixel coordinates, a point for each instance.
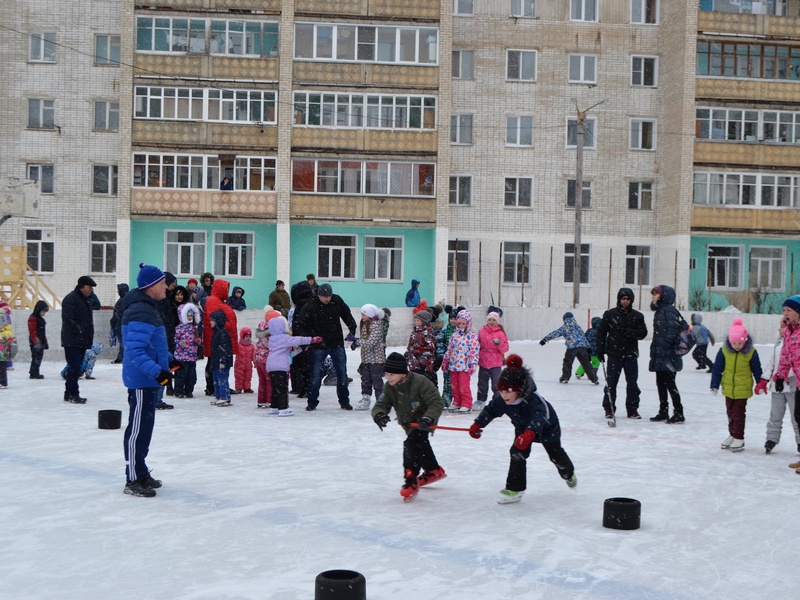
(761, 300)
(697, 298)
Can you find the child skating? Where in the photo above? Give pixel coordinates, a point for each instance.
(461, 360)
(577, 347)
(281, 342)
(702, 337)
(372, 340)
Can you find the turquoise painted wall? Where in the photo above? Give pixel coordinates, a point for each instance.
(697, 276)
(419, 251)
(147, 245)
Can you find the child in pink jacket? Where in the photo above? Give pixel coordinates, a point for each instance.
(461, 360)
(790, 355)
(260, 361)
(493, 344)
(243, 368)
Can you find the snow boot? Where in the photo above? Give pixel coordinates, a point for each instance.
(676, 419)
(149, 482)
(510, 497)
(429, 477)
(661, 416)
(795, 465)
(726, 443)
(737, 445)
(634, 415)
(363, 404)
(560, 380)
(769, 445)
(137, 488)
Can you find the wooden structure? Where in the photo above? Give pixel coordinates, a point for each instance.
(20, 285)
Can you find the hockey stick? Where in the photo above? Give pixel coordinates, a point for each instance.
(612, 422)
(442, 427)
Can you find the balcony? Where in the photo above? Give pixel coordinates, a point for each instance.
(408, 9)
(366, 140)
(366, 74)
(754, 219)
(191, 204)
(415, 210)
(202, 65)
(765, 90)
(193, 134)
(745, 7)
(763, 24)
(268, 6)
(747, 154)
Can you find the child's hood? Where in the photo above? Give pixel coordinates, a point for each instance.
(467, 316)
(245, 333)
(218, 316)
(596, 322)
(185, 310)
(278, 326)
(236, 288)
(40, 306)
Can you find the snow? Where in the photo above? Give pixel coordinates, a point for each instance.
(255, 506)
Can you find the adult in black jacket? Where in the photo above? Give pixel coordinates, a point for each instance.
(116, 321)
(301, 292)
(320, 316)
(77, 334)
(618, 336)
(663, 360)
(169, 315)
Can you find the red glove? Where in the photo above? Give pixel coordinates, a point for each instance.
(471, 371)
(475, 430)
(524, 439)
(761, 386)
(316, 340)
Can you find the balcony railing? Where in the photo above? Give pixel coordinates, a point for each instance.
(745, 7)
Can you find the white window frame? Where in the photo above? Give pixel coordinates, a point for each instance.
(345, 255)
(45, 174)
(716, 123)
(517, 259)
(581, 11)
(196, 249)
(41, 113)
(109, 174)
(42, 47)
(463, 69)
(462, 249)
(747, 190)
(586, 193)
(729, 265)
(519, 131)
(589, 133)
(233, 106)
(569, 264)
(639, 9)
(383, 263)
(377, 178)
(106, 115)
(107, 49)
(245, 260)
(198, 171)
(461, 127)
(643, 134)
(514, 191)
(637, 263)
(639, 71)
(586, 67)
(183, 35)
(464, 8)
(107, 250)
(522, 9)
(642, 191)
(522, 58)
(254, 173)
(769, 263)
(47, 237)
(460, 186)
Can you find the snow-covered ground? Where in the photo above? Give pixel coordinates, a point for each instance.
(255, 506)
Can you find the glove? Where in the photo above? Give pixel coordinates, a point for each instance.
(37, 347)
(425, 423)
(351, 338)
(779, 385)
(355, 344)
(601, 357)
(316, 340)
(496, 342)
(164, 377)
(475, 430)
(445, 364)
(761, 386)
(471, 371)
(381, 420)
(524, 439)
(174, 365)
(714, 391)
(542, 342)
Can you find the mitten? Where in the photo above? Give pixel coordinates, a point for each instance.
(778, 385)
(445, 364)
(355, 344)
(174, 365)
(475, 430)
(542, 342)
(471, 371)
(316, 340)
(425, 423)
(381, 420)
(761, 386)
(714, 391)
(524, 439)
(496, 342)
(164, 377)
(351, 338)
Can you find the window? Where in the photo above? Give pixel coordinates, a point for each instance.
(254, 173)
(724, 267)
(42, 47)
(354, 177)
(462, 64)
(644, 12)
(523, 8)
(244, 38)
(516, 262)
(583, 10)
(569, 263)
(383, 258)
(725, 124)
(336, 257)
(748, 60)
(767, 268)
(586, 193)
(519, 131)
(328, 109)
(521, 65)
(461, 129)
(104, 180)
(230, 106)
(44, 175)
(643, 134)
(637, 265)
(186, 171)
(106, 116)
(233, 254)
(644, 71)
(188, 36)
(640, 195)
(462, 7)
(747, 189)
(185, 252)
(582, 68)
(457, 260)
(589, 139)
(461, 189)
(518, 192)
(106, 50)
(41, 114)
(103, 251)
(41, 249)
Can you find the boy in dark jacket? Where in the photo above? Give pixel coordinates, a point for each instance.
(417, 405)
(534, 419)
(221, 359)
(115, 336)
(37, 336)
(236, 300)
(702, 337)
(591, 337)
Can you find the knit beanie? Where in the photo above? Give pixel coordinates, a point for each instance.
(169, 278)
(194, 281)
(271, 314)
(513, 377)
(567, 315)
(148, 276)
(737, 332)
(396, 364)
(424, 316)
(793, 302)
(492, 308)
(493, 315)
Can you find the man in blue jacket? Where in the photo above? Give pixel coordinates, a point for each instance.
(412, 295)
(145, 369)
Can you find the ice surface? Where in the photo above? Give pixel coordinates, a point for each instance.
(255, 507)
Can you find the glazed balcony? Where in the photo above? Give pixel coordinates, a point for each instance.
(267, 6)
(408, 9)
(366, 74)
(747, 154)
(192, 204)
(193, 134)
(779, 91)
(202, 65)
(416, 210)
(728, 218)
(764, 24)
(365, 140)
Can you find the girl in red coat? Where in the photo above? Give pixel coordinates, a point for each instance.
(243, 367)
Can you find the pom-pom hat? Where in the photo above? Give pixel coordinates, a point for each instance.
(513, 377)
(148, 276)
(424, 316)
(737, 332)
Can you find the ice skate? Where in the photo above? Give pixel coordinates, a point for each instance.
(286, 412)
(273, 411)
(221, 403)
(572, 482)
(726, 443)
(363, 404)
(509, 497)
(429, 477)
(769, 445)
(737, 445)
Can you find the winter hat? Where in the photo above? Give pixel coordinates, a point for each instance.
(148, 276)
(371, 311)
(568, 315)
(325, 290)
(492, 308)
(86, 280)
(493, 315)
(737, 332)
(185, 310)
(793, 302)
(262, 330)
(122, 289)
(169, 278)
(657, 290)
(194, 281)
(395, 363)
(245, 332)
(513, 377)
(424, 316)
(279, 282)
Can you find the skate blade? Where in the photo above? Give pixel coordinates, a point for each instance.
(612, 423)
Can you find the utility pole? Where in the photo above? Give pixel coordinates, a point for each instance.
(576, 264)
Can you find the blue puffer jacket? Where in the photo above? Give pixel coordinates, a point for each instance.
(145, 341)
(666, 328)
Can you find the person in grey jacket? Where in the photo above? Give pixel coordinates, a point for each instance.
(702, 337)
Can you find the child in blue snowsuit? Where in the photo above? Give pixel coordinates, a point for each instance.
(89, 359)
(577, 347)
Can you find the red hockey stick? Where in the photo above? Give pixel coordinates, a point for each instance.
(442, 427)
